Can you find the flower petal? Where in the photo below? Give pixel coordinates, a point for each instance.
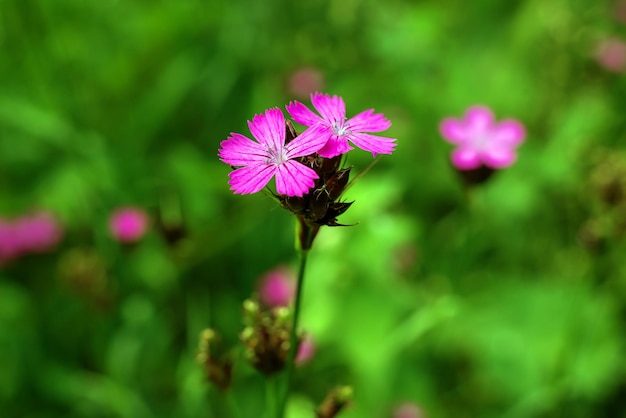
(308, 142)
(499, 156)
(465, 158)
(269, 128)
(251, 179)
(239, 150)
(509, 132)
(332, 109)
(294, 178)
(479, 119)
(302, 114)
(336, 145)
(373, 143)
(453, 131)
(368, 121)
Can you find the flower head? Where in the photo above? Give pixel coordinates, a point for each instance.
(38, 232)
(128, 224)
(408, 410)
(338, 131)
(611, 54)
(481, 141)
(306, 350)
(270, 156)
(277, 287)
(35, 233)
(304, 81)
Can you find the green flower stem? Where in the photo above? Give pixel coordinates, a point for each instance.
(293, 336)
(232, 404)
(271, 396)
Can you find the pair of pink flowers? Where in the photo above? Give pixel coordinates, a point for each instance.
(329, 134)
(35, 233)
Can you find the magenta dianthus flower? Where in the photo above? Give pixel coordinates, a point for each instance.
(128, 224)
(278, 287)
(259, 161)
(480, 140)
(338, 131)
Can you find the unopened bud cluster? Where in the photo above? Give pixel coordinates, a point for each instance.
(266, 336)
(335, 402)
(217, 366)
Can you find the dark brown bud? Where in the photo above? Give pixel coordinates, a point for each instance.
(328, 166)
(293, 204)
(318, 206)
(337, 183)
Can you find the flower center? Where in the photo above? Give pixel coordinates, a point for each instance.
(481, 142)
(340, 128)
(276, 156)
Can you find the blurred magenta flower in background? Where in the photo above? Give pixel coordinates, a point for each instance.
(128, 224)
(611, 54)
(408, 410)
(270, 156)
(304, 81)
(10, 247)
(338, 131)
(480, 140)
(306, 350)
(277, 287)
(39, 232)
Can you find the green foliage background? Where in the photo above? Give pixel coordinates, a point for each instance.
(506, 301)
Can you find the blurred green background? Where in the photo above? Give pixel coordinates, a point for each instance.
(506, 301)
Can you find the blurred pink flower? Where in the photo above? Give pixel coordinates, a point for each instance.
(277, 287)
(305, 81)
(39, 232)
(128, 224)
(408, 410)
(10, 245)
(306, 350)
(337, 130)
(611, 54)
(270, 156)
(480, 140)
(36, 233)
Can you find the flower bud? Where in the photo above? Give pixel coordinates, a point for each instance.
(218, 367)
(334, 402)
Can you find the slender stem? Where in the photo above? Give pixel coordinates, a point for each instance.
(293, 336)
(232, 404)
(271, 395)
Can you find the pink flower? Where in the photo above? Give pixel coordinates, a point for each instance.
(10, 245)
(270, 156)
(611, 54)
(305, 81)
(277, 287)
(306, 350)
(408, 410)
(337, 130)
(480, 140)
(128, 224)
(39, 232)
